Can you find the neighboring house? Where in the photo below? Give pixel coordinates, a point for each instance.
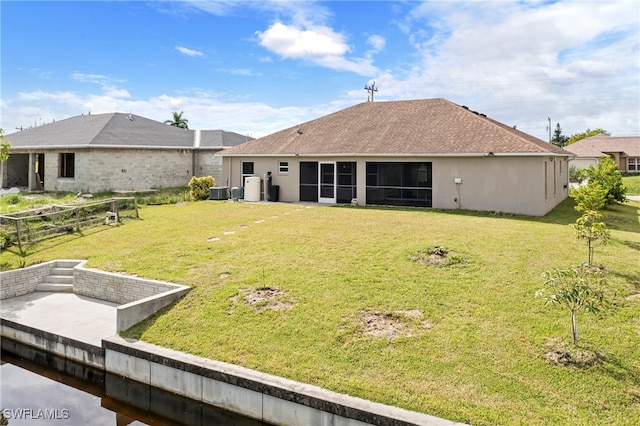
(424, 153)
(112, 152)
(625, 152)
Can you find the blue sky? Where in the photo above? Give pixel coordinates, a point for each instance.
(255, 67)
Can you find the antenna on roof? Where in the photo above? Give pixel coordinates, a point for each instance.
(130, 116)
(371, 89)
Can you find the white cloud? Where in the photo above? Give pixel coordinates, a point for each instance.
(293, 42)
(189, 52)
(205, 110)
(377, 42)
(318, 44)
(240, 71)
(95, 78)
(523, 62)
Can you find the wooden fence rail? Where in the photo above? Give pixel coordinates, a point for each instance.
(35, 225)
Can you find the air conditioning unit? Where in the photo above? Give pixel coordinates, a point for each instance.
(218, 193)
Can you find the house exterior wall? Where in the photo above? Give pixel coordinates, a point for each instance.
(209, 164)
(98, 170)
(583, 162)
(621, 161)
(503, 184)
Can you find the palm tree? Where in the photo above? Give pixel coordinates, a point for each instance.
(178, 121)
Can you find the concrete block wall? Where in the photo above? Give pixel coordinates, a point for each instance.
(18, 282)
(137, 169)
(116, 288)
(209, 164)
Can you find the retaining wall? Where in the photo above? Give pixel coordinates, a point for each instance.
(267, 398)
(64, 347)
(130, 314)
(18, 282)
(116, 288)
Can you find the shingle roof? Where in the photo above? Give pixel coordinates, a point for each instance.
(221, 139)
(414, 127)
(117, 130)
(599, 145)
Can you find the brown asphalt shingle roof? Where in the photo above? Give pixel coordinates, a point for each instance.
(413, 127)
(599, 145)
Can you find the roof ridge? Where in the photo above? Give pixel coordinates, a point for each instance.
(104, 126)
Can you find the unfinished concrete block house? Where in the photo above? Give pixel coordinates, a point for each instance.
(112, 152)
(425, 153)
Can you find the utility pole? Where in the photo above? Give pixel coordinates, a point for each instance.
(549, 128)
(371, 89)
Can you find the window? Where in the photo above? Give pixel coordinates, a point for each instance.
(66, 165)
(283, 167)
(247, 170)
(634, 165)
(400, 184)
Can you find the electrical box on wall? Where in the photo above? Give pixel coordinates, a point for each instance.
(457, 181)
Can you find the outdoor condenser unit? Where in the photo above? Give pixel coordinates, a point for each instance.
(218, 193)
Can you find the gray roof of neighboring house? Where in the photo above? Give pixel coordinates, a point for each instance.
(117, 130)
(221, 139)
(600, 145)
(414, 127)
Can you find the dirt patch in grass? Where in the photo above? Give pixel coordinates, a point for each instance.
(437, 256)
(264, 298)
(566, 355)
(388, 325)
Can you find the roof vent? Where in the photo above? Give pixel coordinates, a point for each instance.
(465, 107)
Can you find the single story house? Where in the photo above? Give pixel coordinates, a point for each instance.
(424, 153)
(625, 152)
(112, 152)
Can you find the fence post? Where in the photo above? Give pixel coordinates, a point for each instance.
(114, 208)
(18, 235)
(135, 203)
(77, 212)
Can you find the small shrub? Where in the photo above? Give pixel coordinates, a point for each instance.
(577, 175)
(6, 238)
(608, 176)
(199, 187)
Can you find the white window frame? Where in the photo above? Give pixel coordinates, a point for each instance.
(283, 167)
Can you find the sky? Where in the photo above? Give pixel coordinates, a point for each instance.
(256, 67)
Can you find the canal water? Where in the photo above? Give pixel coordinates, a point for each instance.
(37, 388)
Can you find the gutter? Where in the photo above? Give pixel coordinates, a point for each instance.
(404, 155)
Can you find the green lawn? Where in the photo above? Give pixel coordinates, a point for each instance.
(473, 347)
(632, 183)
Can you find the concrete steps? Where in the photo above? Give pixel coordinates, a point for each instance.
(59, 280)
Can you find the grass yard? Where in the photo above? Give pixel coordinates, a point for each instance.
(632, 183)
(345, 298)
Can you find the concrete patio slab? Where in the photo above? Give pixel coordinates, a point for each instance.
(77, 317)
